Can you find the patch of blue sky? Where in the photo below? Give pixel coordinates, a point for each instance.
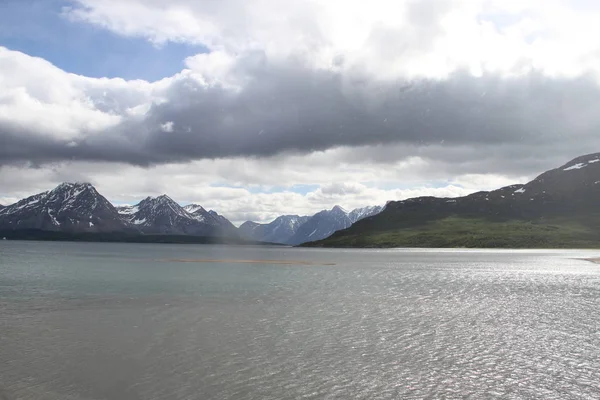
(38, 28)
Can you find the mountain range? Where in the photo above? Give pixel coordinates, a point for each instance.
(78, 208)
(294, 230)
(162, 215)
(559, 208)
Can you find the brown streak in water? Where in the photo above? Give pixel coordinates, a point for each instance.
(280, 262)
(595, 260)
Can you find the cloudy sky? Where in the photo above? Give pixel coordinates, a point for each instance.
(257, 108)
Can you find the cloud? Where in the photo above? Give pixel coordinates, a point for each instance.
(263, 109)
(167, 126)
(365, 103)
(300, 77)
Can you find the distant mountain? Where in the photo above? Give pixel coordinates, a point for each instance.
(70, 207)
(221, 220)
(278, 231)
(326, 222)
(365, 212)
(162, 215)
(210, 217)
(294, 230)
(559, 208)
(321, 225)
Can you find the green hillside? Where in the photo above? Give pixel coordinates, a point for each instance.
(456, 231)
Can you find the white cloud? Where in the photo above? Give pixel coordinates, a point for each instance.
(167, 126)
(386, 38)
(38, 97)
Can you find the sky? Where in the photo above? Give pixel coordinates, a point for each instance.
(257, 108)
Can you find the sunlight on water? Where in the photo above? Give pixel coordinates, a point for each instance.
(92, 321)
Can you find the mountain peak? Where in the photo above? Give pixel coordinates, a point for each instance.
(73, 185)
(194, 208)
(337, 208)
(163, 197)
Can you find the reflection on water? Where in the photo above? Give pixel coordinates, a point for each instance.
(92, 321)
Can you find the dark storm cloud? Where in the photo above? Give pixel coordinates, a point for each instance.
(290, 108)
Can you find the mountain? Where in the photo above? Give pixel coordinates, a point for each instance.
(278, 231)
(559, 208)
(293, 229)
(210, 217)
(162, 215)
(70, 207)
(361, 213)
(196, 209)
(326, 222)
(321, 225)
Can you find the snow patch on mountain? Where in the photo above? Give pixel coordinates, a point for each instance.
(127, 210)
(576, 166)
(193, 208)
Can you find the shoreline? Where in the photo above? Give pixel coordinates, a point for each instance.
(232, 261)
(595, 260)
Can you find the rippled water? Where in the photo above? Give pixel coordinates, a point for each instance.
(118, 321)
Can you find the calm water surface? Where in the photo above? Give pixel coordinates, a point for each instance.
(121, 321)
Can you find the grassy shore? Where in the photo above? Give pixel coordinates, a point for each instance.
(474, 233)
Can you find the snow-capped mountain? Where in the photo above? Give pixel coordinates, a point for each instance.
(321, 225)
(70, 207)
(364, 212)
(210, 217)
(163, 215)
(78, 207)
(293, 229)
(278, 231)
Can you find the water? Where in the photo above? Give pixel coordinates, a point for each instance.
(121, 321)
